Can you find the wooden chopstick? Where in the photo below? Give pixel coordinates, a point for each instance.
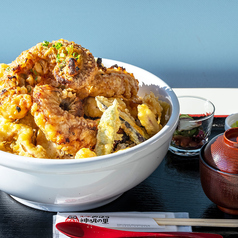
(197, 222)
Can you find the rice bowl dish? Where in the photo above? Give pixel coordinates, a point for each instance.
(81, 184)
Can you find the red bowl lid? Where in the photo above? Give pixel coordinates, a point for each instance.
(222, 151)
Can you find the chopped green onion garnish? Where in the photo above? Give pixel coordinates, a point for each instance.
(58, 45)
(34, 71)
(28, 88)
(8, 69)
(58, 58)
(69, 49)
(45, 43)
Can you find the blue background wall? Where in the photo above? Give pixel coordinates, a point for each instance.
(187, 43)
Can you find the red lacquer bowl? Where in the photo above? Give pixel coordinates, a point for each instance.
(220, 187)
(222, 152)
(219, 171)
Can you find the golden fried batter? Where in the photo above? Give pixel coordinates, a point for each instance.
(154, 105)
(84, 153)
(48, 95)
(107, 130)
(148, 119)
(69, 132)
(90, 108)
(58, 63)
(77, 70)
(20, 137)
(14, 100)
(114, 82)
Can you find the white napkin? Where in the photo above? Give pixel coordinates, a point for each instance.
(87, 217)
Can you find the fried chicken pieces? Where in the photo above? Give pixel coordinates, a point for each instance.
(49, 92)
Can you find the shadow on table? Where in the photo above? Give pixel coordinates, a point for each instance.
(17, 219)
(184, 165)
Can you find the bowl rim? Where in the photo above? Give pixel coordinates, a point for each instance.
(203, 99)
(28, 163)
(201, 159)
(228, 119)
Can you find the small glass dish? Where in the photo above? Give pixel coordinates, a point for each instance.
(194, 126)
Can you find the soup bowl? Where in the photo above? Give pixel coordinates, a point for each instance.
(219, 171)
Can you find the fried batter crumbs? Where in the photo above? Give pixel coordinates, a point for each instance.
(58, 101)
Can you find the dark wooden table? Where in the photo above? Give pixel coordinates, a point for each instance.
(173, 187)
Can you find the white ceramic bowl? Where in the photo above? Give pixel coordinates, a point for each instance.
(230, 120)
(76, 185)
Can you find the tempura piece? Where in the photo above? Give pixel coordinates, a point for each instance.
(50, 147)
(90, 108)
(55, 95)
(69, 132)
(84, 153)
(15, 102)
(114, 81)
(20, 137)
(153, 104)
(3, 67)
(107, 130)
(166, 112)
(148, 120)
(136, 134)
(75, 68)
(6, 146)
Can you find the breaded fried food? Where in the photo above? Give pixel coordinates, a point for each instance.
(91, 109)
(20, 137)
(128, 124)
(148, 120)
(107, 130)
(14, 100)
(67, 104)
(85, 153)
(75, 68)
(59, 62)
(114, 81)
(154, 105)
(69, 132)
